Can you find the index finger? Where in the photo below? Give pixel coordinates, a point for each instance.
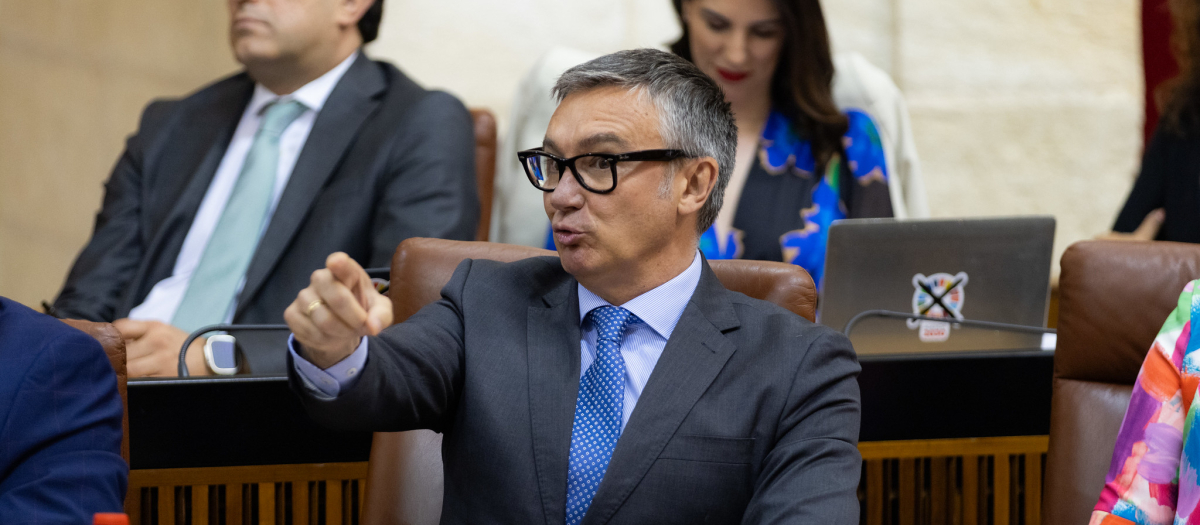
(348, 272)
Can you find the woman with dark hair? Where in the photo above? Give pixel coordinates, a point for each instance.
(801, 163)
(1165, 201)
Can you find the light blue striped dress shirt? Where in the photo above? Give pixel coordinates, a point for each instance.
(659, 311)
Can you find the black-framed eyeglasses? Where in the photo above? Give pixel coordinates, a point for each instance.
(596, 172)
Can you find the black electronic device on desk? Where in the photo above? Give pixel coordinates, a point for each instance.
(979, 391)
(956, 395)
(252, 418)
(229, 421)
(247, 420)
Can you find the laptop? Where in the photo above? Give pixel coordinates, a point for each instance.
(985, 269)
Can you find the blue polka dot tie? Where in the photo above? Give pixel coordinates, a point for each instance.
(598, 411)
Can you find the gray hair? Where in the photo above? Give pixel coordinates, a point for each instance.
(692, 112)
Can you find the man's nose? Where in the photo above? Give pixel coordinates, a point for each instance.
(568, 194)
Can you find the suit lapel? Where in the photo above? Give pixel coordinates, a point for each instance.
(553, 386)
(199, 148)
(695, 354)
(355, 98)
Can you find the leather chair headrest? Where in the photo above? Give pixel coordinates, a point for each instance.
(421, 267)
(1113, 299)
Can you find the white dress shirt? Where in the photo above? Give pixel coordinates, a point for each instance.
(658, 311)
(163, 300)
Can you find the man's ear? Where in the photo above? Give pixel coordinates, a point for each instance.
(351, 11)
(699, 181)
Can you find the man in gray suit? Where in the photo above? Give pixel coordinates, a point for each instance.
(226, 201)
(618, 382)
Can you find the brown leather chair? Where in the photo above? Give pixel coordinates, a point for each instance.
(1113, 298)
(114, 346)
(485, 166)
(404, 477)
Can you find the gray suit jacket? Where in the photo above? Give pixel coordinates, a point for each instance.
(386, 160)
(751, 414)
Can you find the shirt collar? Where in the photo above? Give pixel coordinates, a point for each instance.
(313, 94)
(660, 308)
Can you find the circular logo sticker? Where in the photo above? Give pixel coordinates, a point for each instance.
(939, 295)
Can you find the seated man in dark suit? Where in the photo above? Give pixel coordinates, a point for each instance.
(226, 201)
(60, 422)
(619, 382)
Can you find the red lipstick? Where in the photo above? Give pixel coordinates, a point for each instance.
(732, 76)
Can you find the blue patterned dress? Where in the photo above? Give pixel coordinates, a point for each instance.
(785, 209)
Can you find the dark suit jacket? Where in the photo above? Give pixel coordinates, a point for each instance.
(386, 160)
(60, 422)
(751, 414)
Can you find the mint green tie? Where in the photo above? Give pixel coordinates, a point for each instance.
(215, 282)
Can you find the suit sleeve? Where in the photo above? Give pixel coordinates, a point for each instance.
(432, 190)
(105, 268)
(811, 475)
(412, 377)
(65, 425)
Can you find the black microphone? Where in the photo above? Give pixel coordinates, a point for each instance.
(183, 371)
(993, 325)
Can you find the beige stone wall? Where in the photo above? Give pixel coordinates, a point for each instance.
(74, 76)
(479, 49)
(1025, 107)
(1018, 107)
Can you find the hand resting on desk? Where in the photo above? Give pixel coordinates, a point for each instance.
(338, 308)
(153, 349)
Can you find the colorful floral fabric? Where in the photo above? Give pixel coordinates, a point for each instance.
(790, 207)
(1152, 479)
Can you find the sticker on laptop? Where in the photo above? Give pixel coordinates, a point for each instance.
(938, 295)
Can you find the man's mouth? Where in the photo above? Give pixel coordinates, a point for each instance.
(246, 22)
(566, 236)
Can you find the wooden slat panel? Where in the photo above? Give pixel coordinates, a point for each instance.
(266, 503)
(908, 492)
(970, 490)
(133, 504)
(166, 505)
(233, 504)
(1033, 489)
(928, 448)
(362, 496)
(333, 502)
(1000, 490)
(938, 491)
(938, 505)
(954, 502)
(876, 495)
(200, 505)
(247, 474)
(300, 503)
